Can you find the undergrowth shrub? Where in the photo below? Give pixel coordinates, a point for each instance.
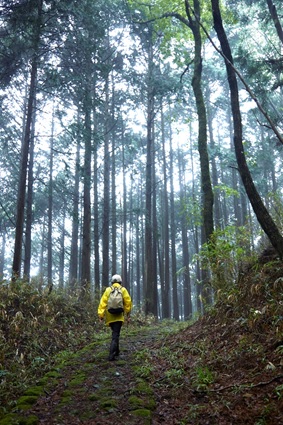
(223, 257)
(247, 286)
(33, 327)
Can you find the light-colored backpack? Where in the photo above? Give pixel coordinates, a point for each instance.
(115, 303)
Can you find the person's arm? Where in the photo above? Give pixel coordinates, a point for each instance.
(127, 302)
(103, 303)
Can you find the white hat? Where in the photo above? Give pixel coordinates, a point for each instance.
(116, 278)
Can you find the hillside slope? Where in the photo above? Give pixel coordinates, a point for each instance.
(228, 367)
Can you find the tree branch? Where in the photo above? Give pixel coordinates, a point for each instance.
(190, 12)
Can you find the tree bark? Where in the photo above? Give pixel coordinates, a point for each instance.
(202, 124)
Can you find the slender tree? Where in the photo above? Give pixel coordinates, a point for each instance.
(26, 142)
(73, 268)
(150, 282)
(260, 210)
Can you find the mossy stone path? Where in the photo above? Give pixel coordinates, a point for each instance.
(85, 388)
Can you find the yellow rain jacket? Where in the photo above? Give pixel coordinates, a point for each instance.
(102, 308)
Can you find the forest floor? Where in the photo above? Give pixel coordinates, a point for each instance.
(226, 368)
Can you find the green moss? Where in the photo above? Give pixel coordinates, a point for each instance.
(26, 401)
(142, 387)
(66, 397)
(77, 380)
(135, 402)
(67, 393)
(10, 419)
(108, 404)
(31, 420)
(102, 355)
(120, 362)
(93, 397)
(13, 419)
(143, 413)
(53, 374)
(87, 415)
(35, 391)
(150, 404)
(43, 381)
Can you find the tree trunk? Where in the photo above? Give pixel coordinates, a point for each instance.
(62, 248)
(16, 267)
(29, 214)
(214, 171)
(86, 242)
(113, 187)
(74, 255)
(96, 237)
(106, 194)
(23, 174)
(260, 210)
(124, 233)
(202, 126)
(50, 210)
(149, 282)
(176, 313)
(165, 264)
(2, 252)
(187, 300)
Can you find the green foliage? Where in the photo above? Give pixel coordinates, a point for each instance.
(279, 391)
(277, 208)
(169, 18)
(175, 376)
(203, 378)
(227, 251)
(144, 371)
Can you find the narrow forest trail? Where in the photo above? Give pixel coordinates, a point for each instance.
(88, 389)
(214, 372)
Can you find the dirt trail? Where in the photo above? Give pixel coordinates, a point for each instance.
(90, 390)
(209, 373)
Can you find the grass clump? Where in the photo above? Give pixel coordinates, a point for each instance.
(203, 378)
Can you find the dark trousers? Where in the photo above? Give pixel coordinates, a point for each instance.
(114, 346)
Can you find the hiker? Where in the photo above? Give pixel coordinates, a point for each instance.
(115, 320)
